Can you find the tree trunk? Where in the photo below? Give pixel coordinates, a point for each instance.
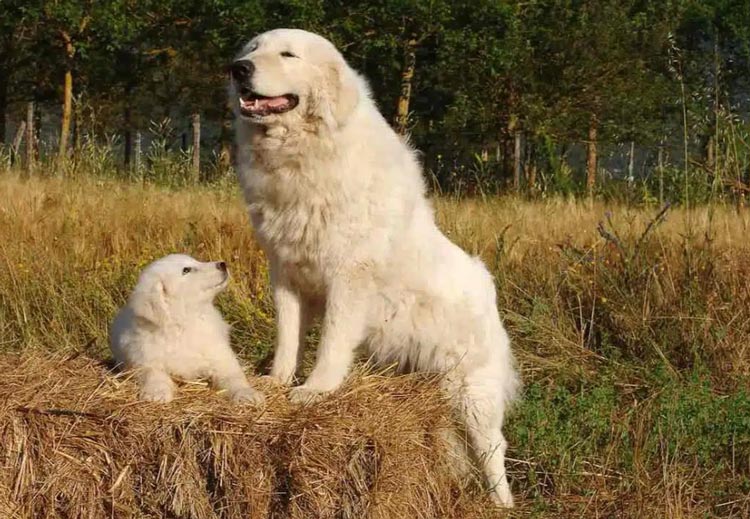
(67, 96)
(715, 140)
(196, 147)
(591, 156)
(3, 104)
(29, 138)
(407, 77)
(37, 132)
(225, 139)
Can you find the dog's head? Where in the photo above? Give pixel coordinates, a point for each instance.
(176, 284)
(288, 76)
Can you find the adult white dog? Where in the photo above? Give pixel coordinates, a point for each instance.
(338, 202)
(170, 328)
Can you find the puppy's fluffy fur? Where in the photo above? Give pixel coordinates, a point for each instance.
(170, 328)
(338, 202)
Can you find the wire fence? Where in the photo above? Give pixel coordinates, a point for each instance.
(188, 149)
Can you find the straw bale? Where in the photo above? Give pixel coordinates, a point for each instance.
(76, 443)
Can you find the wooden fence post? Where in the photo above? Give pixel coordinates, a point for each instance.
(196, 163)
(29, 138)
(631, 163)
(660, 169)
(17, 142)
(591, 156)
(517, 161)
(137, 153)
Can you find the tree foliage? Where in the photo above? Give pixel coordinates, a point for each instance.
(483, 70)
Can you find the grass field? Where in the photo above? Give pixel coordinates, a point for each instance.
(632, 332)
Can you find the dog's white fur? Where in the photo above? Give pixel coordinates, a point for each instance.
(170, 328)
(338, 202)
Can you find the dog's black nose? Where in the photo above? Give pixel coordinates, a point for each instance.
(242, 70)
(221, 266)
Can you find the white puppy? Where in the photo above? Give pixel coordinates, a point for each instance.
(338, 203)
(170, 328)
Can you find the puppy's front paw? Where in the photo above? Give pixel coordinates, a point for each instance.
(247, 395)
(157, 392)
(306, 395)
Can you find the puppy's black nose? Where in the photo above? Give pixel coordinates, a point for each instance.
(242, 70)
(221, 266)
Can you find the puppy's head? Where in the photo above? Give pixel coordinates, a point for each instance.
(289, 76)
(175, 284)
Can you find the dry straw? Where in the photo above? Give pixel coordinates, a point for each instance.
(75, 443)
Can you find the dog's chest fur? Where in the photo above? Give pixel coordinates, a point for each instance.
(295, 214)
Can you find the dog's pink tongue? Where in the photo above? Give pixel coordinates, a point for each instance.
(266, 102)
(273, 102)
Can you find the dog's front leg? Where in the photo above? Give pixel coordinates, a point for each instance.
(238, 389)
(343, 330)
(155, 385)
(291, 327)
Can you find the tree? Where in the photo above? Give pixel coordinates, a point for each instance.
(18, 27)
(66, 28)
(597, 68)
(714, 42)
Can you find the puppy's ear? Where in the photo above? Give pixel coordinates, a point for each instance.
(341, 93)
(150, 303)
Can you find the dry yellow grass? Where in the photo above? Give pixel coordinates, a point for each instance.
(79, 246)
(537, 226)
(635, 349)
(56, 234)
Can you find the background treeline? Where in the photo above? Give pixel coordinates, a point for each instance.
(642, 99)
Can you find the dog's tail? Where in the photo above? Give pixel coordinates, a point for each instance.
(499, 342)
(510, 379)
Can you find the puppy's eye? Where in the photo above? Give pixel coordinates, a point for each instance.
(186, 270)
(287, 54)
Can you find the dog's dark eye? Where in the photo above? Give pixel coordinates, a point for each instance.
(186, 270)
(288, 54)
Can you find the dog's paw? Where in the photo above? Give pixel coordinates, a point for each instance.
(247, 395)
(306, 395)
(283, 378)
(502, 496)
(162, 393)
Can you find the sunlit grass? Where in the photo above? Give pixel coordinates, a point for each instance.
(634, 345)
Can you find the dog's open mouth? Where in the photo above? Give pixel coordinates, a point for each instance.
(254, 105)
(221, 285)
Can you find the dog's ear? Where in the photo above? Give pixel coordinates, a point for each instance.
(149, 303)
(342, 92)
